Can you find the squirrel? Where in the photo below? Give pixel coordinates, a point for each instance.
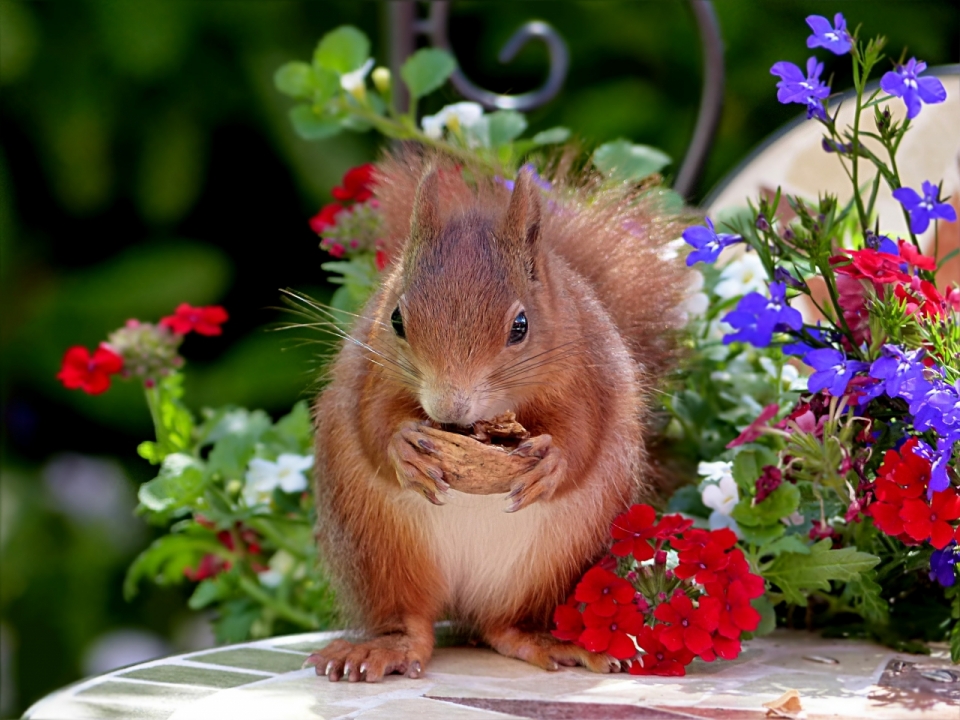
(558, 305)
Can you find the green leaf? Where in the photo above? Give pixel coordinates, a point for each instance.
(342, 50)
(208, 591)
(326, 85)
(291, 433)
(797, 574)
(426, 70)
(179, 483)
(688, 500)
(768, 616)
(866, 596)
(310, 125)
(232, 452)
(150, 452)
(622, 160)
(781, 503)
(551, 136)
(294, 79)
(236, 619)
(165, 560)
(762, 534)
(787, 543)
(504, 126)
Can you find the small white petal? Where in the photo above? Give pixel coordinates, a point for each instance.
(432, 126)
(352, 80)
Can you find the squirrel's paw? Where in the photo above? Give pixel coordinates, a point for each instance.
(540, 481)
(549, 653)
(413, 456)
(368, 661)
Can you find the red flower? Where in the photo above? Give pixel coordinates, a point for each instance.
(770, 479)
(921, 296)
(603, 591)
(382, 260)
(90, 373)
(703, 562)
(913, 256)
(671, 525)
(922, 521)
(357, 184)
(326, 218)
(569, 622)
(633, 529)
(902, 476)
(202, 320)
(737, 615)
(612, 634)
(209, 566)
(871, 265)
(689, 627)
(738, 570)
(727, 648)
(657, 659)
(755, 429)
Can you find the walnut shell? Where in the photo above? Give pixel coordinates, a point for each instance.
(486, 461)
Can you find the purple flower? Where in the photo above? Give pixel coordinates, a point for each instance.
(833, 371)
(782, 275)
(756, 317)
(936, 409)
(534, 175)
(924, 209)
(832, 146)
(707, 243)
(894, 367)
(942, 563)
(904, 83)
(834, 38)
(880, 243)
(802, 348)
(794, 87)
(939, 459)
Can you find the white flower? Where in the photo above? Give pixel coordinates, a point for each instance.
(263, 476)
(714, 472)
(721, 497)
(742, 275)
(696, 302)
(353, 81)
(462, 114)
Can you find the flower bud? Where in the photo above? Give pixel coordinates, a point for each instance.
(762, 223)
(660, 557)
(381, 79)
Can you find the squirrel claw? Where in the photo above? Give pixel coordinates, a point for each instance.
(411, 454)
(540, 481)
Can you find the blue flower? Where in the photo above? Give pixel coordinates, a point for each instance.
(880, 243)
(942, 563)
(707, 243)
(935, 409)
(802, 348)
(924, 209)
(833, 371)
(904, 83)
(782, 275)
(534, 175)
(756, 317)
(834, 38)
(894, 367)
(808, 90)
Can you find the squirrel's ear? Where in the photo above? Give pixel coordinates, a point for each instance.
(425, 221)
(521, 225)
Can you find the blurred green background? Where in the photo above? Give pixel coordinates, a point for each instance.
(146, 160)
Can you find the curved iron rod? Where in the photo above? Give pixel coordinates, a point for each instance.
(436, 28)
(711, 99)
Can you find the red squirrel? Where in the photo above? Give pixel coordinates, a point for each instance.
(559, 306)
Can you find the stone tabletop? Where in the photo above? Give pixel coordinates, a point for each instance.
(835, 679)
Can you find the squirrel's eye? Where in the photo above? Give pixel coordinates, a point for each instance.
(518, 331)
(397, 321)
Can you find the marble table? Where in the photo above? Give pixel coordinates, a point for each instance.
(263, 679)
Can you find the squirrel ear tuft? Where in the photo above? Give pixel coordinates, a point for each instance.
(425, 220)
(521, 225)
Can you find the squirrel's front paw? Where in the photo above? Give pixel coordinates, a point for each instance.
(540, 481)
(414, 458)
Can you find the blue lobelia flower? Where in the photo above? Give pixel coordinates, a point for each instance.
(942, 564)
(707, 243)
(930, 410)
(756, 317)
(802, 348)
(904, 83)
(939, 459)
(894, 367)
(833, 371)
(880, 243)
(808, 90)
(834, 38)
(924, 209)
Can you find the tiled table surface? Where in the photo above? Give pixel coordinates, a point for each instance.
(264, 680)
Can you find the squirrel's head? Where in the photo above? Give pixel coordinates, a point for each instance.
(467, 315)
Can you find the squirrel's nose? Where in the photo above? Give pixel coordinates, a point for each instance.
(449, 407)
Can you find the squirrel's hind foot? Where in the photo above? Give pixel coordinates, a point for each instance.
(395, 653)
(545, 651)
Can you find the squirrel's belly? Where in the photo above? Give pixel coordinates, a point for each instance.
(484, 553)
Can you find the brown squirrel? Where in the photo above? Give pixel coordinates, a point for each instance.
(558, 307)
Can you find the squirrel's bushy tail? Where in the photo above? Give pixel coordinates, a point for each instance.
(618, 237)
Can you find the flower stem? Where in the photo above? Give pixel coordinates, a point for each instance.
(153, 403)
(282, 609)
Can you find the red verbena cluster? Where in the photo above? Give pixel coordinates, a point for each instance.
(138, 349)
(903, 507)
(242, 541)
(351, 223)
(669, 590)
